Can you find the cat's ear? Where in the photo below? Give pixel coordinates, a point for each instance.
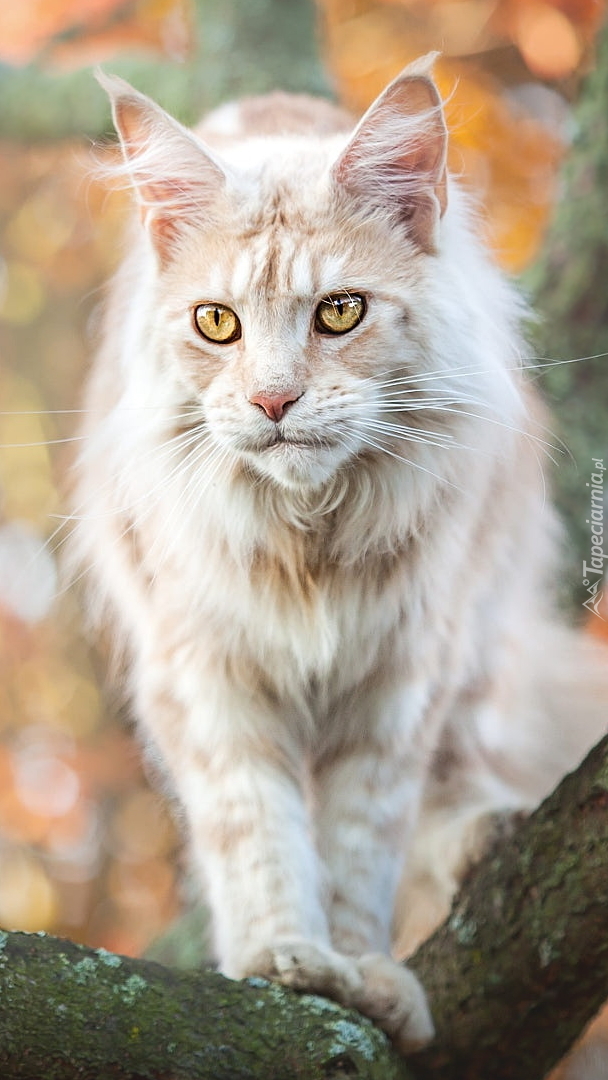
(175, 177)
(397, 155)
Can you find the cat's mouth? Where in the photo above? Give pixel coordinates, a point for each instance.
(281, 440)
(295, 459)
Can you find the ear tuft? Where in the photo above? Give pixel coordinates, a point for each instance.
(174, 175)
(397, 155)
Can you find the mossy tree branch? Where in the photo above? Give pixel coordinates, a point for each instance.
(521, 965)
(68, 1012)
(513, 976)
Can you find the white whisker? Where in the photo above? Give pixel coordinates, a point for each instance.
(421, 435)
(41, 442)
(90, 510)
(368, 441)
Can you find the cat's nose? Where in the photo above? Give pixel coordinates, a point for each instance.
(274, 405)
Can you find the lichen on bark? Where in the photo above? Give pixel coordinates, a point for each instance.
(524, 954)
(67, 1011)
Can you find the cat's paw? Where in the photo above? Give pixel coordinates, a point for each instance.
(305, 965)
(392, 996)
(375, 985)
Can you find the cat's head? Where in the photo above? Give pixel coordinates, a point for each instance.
(298, 289)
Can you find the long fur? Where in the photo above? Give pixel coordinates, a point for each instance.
(321, 612)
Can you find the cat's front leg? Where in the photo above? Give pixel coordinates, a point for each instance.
(368, 798)
(252, 841)
(237, 774)
(250, 837)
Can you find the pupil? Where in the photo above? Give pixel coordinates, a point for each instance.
(340, 307)
(216, 316)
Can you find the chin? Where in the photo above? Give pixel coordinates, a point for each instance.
(299, 468)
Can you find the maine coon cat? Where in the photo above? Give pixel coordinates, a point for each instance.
(311, 498)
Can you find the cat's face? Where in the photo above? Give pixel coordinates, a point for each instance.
(293, 294)
(287, 337)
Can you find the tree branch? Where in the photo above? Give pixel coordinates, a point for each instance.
(69, 1012)
(521, 964)
(514, 974)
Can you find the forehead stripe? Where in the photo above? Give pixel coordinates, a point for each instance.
(302, 283)
(242, 270)
(279, 264)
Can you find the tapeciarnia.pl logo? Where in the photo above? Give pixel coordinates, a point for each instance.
(593, 571)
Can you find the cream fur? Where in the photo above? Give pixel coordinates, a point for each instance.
(310, 623)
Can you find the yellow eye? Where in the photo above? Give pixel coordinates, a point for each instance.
(339, 312)
(216, 322)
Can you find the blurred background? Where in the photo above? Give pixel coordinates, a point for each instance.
(87, 849)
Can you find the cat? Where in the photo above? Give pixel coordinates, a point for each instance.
(311, 499)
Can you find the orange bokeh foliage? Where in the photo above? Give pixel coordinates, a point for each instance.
(78, 853)
(66, 33)
(553, 33)
(597, 623)
(74, 801)
(492, 52)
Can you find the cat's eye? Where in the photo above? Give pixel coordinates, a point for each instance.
(216, 322)
(339, 312)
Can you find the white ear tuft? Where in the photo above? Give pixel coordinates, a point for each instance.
(175, 176)
(396, 157)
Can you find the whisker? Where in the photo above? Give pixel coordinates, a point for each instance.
(170, 448)
(542, 362)
(190, 498)
(542, 443)
(460, 371)
(394, 402)
(55, 542)
(41, 442)
(368, 441)
(196, 449)
(421, 435)
(445, 408)
(529, 364)
(43, 412)
(417, 434)
(187, 411)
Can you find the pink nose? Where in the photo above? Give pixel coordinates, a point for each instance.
(274, 405)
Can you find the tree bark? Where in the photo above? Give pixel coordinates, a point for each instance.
(514, 974)
(521, 965)
(69, 1012)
